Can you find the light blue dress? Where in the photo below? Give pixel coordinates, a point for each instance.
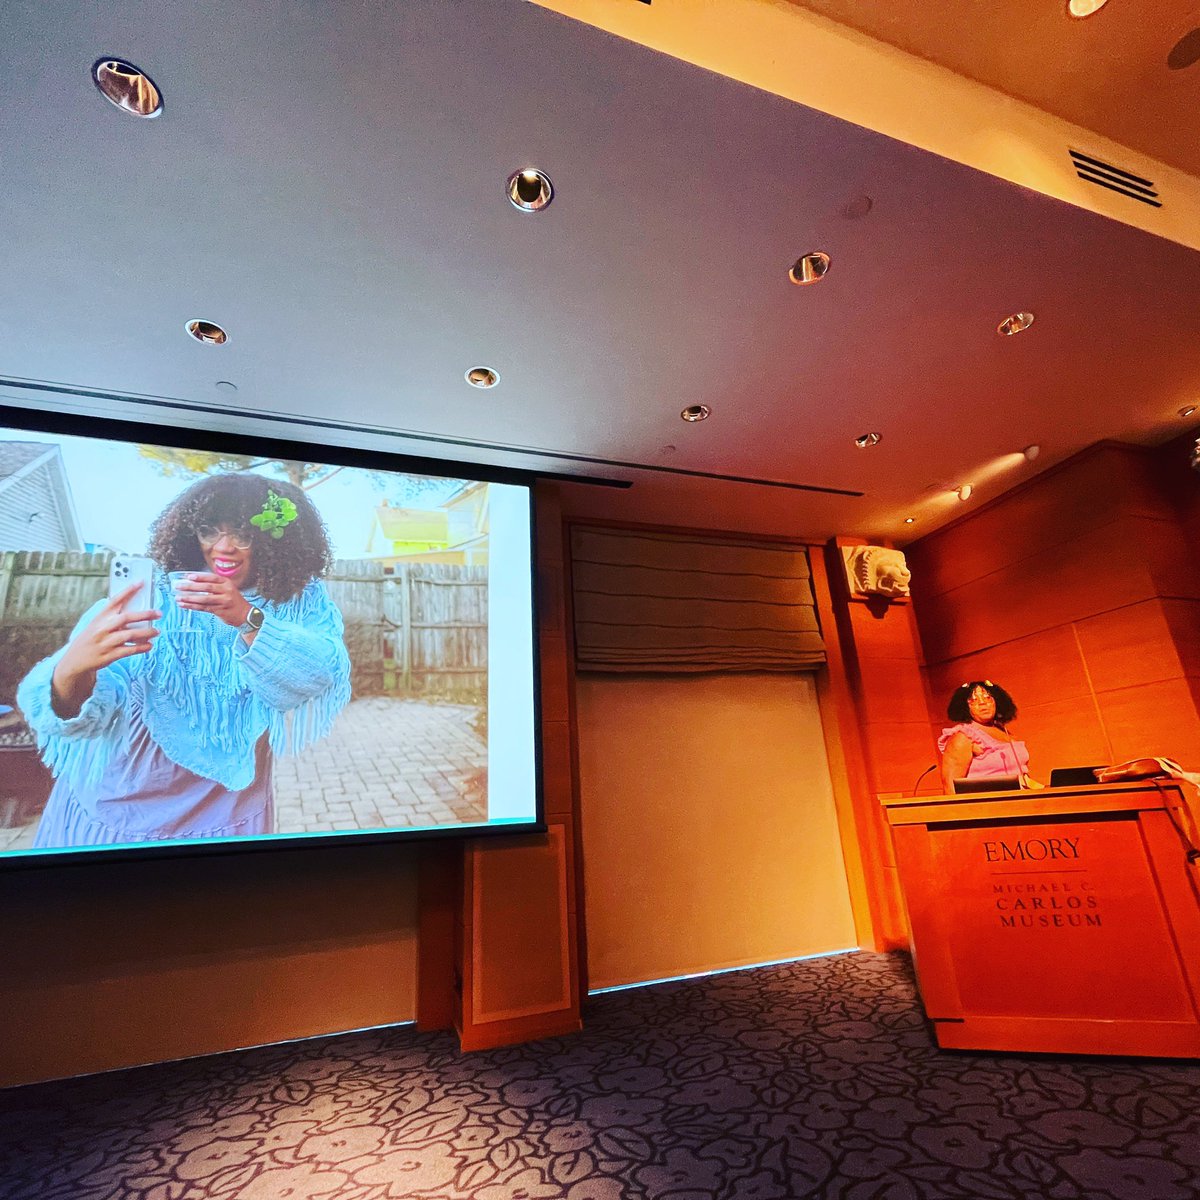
(178, 742)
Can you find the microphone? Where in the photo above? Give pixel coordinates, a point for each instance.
(931, 767)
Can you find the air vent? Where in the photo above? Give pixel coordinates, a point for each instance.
(1105, 175)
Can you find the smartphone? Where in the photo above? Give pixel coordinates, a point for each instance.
(127, 569)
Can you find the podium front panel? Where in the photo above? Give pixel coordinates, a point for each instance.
(1069, 932)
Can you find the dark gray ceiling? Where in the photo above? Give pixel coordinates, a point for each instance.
(327, 182)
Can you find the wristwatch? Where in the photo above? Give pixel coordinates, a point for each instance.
(253, 622)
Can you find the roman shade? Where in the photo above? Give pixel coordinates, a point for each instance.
(651, 601)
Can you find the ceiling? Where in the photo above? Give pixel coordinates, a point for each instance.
(327, 182)
(1107, 72)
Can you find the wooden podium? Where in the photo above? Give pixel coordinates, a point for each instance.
(1064, 920)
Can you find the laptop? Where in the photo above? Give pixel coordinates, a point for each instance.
(997, 783)
(1074, 776)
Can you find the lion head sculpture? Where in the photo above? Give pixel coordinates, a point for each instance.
(876, 571)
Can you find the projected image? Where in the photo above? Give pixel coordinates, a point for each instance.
(202, 645)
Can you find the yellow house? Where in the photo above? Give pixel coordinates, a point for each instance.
(454, 533)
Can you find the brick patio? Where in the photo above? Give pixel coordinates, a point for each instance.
(389, 763)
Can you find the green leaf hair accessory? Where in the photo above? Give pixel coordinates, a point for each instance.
(277, 514)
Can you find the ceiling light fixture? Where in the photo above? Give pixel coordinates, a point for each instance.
(964, 492)
(1187, 410)
(909, 520)
(1017, 323)
(482, 377)
(207, 332)
(131, 90)
(810, 268)
(529, 189)
(1085, 8)
(1031, 452)
(696, 412)
(224, 385)
(865, 440)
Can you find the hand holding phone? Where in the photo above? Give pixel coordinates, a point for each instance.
(115, 632)
(124, 572)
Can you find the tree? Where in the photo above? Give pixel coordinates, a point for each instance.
(174, 463)
(398, 488)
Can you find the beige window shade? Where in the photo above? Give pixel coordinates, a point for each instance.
(673, 602)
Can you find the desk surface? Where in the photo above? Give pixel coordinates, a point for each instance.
(1140, 796)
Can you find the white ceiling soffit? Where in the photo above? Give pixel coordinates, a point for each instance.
(796, 54)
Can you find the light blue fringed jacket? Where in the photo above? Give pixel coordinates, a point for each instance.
(206, 698)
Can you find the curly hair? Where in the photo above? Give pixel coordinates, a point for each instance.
(280, 568)
(958, 710)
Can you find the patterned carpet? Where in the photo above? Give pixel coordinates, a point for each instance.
(813, 1079)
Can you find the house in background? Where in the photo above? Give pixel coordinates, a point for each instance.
(456, 532)
(37, 511)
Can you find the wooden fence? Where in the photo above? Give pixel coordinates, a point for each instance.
(42, 595)
(419, 631)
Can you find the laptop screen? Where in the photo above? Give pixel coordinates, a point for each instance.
(1073, 776)
(997, 783)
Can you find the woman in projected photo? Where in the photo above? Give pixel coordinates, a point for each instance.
(168, 731)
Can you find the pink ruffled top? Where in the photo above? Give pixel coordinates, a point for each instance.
(993, 758)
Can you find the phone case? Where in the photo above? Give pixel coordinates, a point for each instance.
(132, 568)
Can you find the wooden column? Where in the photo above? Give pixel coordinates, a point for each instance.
(499, 935)
(875, 699)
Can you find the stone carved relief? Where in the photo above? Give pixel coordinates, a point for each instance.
(876, 571)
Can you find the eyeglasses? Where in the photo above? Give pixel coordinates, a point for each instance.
(210, 535)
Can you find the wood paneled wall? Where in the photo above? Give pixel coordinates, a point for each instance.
(118, 964)
(1080, 594)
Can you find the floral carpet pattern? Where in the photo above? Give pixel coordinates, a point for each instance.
(813, 1079)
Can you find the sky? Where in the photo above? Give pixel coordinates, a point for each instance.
(118, 493)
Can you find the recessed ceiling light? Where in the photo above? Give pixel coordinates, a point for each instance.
(1084, 8)
(964, 492)
(529, 189)
(857, 208)
(131, 90)
(223, 385)
(207, 332)
(1187, 410)
(909, 520)
(1031, 452)
(1017, 323)
(810, 268)
(1185, 52)
(696, 412)
(482, 377)
(868, 439)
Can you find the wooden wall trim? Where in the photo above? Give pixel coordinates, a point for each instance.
(517, 909)
(438, 881)
(568, 609)
(847, 766)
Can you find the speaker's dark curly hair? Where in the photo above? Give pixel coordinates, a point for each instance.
(958, 710)
(280, 568)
